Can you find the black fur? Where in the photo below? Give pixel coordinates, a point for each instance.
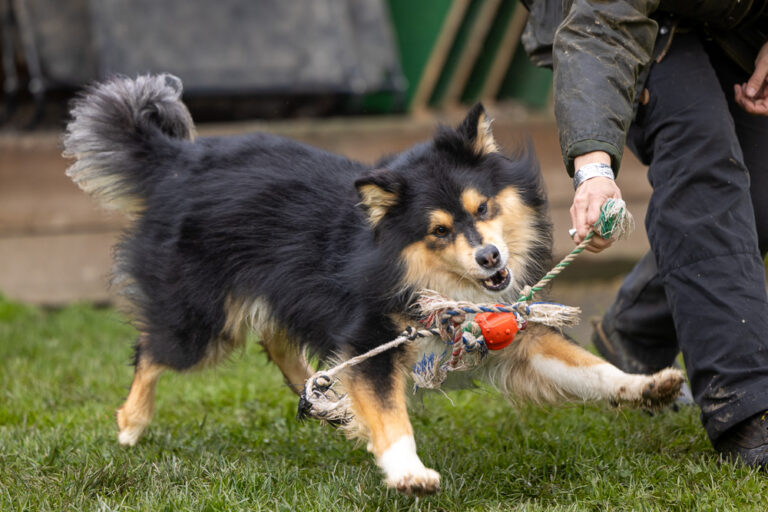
(259, 216)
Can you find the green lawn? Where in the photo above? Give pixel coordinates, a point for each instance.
(227, 439)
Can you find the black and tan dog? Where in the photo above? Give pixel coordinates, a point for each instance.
(323, 254)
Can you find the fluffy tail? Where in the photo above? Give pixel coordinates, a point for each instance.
(118, 129)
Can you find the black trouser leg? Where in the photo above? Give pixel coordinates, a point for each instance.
(641, 318)
(752, 133)
(701, 226)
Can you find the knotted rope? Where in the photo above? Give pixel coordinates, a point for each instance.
(447, 320)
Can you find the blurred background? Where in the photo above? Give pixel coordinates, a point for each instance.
(358, 77)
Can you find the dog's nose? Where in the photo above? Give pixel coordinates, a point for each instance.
(487, 256)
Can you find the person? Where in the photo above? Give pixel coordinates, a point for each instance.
(684, 85)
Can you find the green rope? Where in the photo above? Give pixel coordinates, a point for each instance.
(615, 222)
(529, 291)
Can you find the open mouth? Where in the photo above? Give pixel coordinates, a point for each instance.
(498, 281)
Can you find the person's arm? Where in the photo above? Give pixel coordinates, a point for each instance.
(600, 50)
(752, 96)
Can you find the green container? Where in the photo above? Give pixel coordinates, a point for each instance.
(526, 83)
(418, 26)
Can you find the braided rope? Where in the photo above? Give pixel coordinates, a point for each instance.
(615, 222)
(408, 335)
(432, 304)
(529, 291)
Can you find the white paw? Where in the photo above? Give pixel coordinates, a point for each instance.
(129, 432)
(415, 482)
(129, 436)
(653, 391)
(404, 470)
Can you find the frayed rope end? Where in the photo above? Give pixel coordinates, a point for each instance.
(615, 220)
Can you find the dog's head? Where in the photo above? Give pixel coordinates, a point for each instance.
(468, 221)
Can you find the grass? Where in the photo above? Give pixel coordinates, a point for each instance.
(227, 439)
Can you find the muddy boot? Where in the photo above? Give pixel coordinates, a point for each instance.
(747, 442)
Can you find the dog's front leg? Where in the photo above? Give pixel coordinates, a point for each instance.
(563, 368)
(379, 404)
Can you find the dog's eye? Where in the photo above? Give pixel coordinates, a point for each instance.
(482, 210)
(441, 231)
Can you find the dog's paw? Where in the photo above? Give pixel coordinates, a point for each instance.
(129, 437)
(412, 482)
(128, 432)
(404, 471)
(663, 388)
(652, 391)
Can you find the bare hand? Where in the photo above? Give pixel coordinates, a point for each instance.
(753, 95)
(587, 201)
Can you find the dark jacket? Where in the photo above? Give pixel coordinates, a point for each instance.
(601, 51)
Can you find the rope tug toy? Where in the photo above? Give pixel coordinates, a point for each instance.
(493, 327)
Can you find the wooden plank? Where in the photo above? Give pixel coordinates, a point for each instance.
(471, 51)
(454, 54)
(526, 83)
(438, 56)
(490, 47)
(504, 56)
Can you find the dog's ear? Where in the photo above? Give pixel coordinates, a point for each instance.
(476, 130)
(379, 191)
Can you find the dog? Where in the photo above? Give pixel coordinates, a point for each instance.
(322, 255)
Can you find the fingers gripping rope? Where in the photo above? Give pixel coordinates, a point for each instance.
(471, 339)
(615, 222)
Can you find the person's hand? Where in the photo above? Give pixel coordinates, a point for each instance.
(587, 201)
(752, 96)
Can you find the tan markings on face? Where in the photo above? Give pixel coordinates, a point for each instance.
(433, 269)
(444, 264)
(439, 218)
(461, 256)
(450, 268)
(490, 225)
(492, 232)
(471, 200)
(453, 252)
(449, 253)
(518, 231)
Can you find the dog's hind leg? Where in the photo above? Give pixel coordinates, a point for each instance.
(557, 368)
(288, 357)
(136, 413)
(379, 404)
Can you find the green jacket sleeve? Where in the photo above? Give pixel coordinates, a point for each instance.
(600, 50)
